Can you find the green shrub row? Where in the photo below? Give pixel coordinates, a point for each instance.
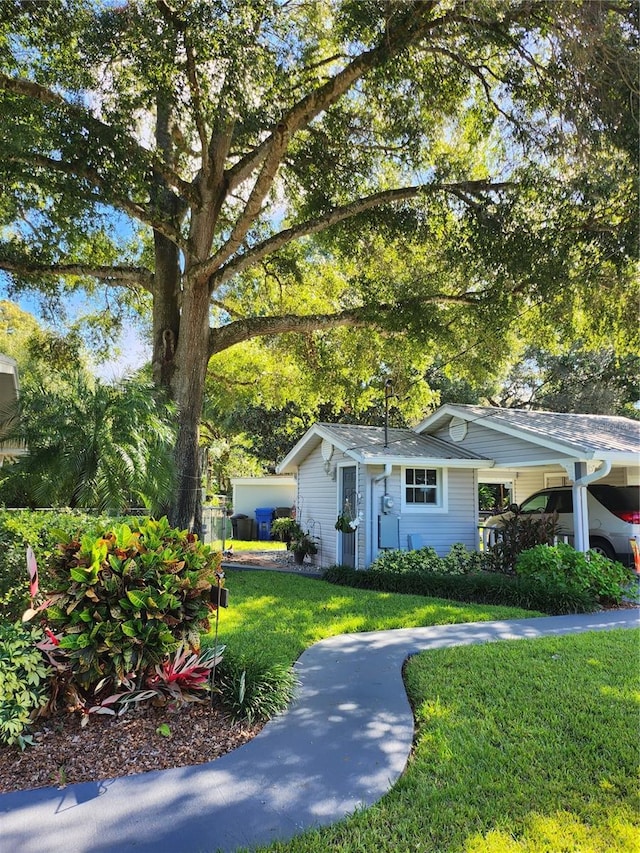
(459, 561)
(607, 580)
(551, 578)
(477, 588)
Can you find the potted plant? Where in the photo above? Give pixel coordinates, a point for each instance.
(302, 546)
(286, 530)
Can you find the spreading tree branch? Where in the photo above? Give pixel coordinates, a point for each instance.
(366, 315)
(109, 136)
(461, 189)
(80, 170)
(403, 30)
(129, 277)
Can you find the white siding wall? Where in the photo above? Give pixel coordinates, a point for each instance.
(619, 477)
(506, 450)
(316, 505)
(530, 480)
(526, 482)
(439, 530)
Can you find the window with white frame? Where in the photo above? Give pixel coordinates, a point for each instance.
(423, 489)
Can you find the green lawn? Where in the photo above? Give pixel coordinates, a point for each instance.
(277, 615)
(528, 746)
(249, 545)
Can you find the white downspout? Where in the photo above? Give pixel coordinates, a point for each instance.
(386, 473)
(580, 510)
(598, 474)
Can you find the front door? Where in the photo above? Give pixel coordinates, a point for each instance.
(348, 496)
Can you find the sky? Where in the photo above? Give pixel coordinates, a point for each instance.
(131, 351)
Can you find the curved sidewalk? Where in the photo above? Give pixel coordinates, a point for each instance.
(342, 744)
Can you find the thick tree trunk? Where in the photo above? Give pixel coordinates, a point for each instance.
(166, 285)
(192, 356)
(166, 311)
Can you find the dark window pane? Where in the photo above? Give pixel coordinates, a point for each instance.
(563, 502)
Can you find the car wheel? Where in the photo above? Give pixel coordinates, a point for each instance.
(601, 546)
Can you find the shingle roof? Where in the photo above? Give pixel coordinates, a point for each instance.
(367, 442)
(599, 433)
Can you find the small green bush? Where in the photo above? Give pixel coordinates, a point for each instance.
(399, 562)
(23, 682)
(285, 529)
(478, 588)
(253, 688)
(125, 599)
(42, 529)
(459, 561)
(568, 569)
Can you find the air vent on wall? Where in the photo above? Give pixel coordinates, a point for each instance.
(457, 429)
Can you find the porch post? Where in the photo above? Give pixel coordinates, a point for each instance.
(580, 511)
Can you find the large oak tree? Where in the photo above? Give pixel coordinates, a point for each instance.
(188, 152)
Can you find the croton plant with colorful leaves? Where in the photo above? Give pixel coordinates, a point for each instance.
(123, 619)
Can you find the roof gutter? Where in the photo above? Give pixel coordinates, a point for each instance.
(388, 466)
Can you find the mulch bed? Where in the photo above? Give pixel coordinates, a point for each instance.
(107, 747)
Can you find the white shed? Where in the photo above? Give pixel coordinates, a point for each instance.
(251, 493)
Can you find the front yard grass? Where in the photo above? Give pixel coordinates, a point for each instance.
(277, 615)
(528, 746)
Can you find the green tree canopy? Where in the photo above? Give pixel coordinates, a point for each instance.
(172, 152)
(598, 382)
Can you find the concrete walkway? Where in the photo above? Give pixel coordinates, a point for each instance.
(342, 744)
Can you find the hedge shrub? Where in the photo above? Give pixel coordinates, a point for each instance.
(568, 569)
(479, 588)
(459, 561)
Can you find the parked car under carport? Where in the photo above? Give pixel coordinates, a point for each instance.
(614, 516)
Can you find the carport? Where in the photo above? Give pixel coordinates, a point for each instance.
(533, 450)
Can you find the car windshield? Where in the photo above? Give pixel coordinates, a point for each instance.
(536, 503)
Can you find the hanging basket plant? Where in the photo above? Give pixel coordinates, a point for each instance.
(346, 523)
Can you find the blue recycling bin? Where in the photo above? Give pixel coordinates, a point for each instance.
(264, 516)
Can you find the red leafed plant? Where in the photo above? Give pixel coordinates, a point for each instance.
(187, 675)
